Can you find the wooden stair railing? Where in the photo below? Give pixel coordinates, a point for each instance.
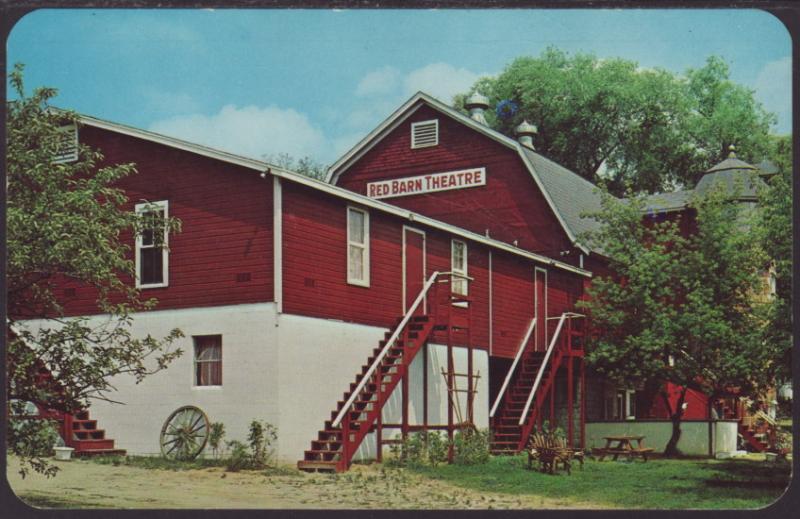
(507, 405)
(356, 415)
(521, 410)
(545, 378)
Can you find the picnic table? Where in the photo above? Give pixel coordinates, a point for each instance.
(622, 446)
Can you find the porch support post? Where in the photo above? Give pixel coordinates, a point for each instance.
(583, 403)
(553, 398)
(570, 413)
(425, 387)
(405, 366)
(450, 371)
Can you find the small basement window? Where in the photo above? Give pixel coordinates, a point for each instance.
(458, 264)
(208, 360)
(67, 145)
(357, 247)
(425, 133)
(152, 253)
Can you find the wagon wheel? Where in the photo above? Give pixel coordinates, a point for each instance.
(184, 434)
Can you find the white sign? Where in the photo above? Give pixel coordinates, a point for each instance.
(427, 183)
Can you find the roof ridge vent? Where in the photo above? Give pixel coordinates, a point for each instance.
(477, 104)
(525, 132)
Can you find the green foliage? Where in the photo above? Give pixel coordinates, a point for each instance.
(66, 223)
(215, 436)
(34, 439)
(774, 226)
(256, 454)
(649, 128)
(419, 449)
(684, 307)
(471, 447)
(260, 438)
(239, 458)
(305, 165)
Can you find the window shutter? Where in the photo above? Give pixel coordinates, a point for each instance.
(425, 133)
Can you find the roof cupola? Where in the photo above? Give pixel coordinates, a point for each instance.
(525, 132)
(477, 104)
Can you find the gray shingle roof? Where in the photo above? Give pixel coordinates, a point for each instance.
(741, 179)
(571, 194)
(667, 201)
(731, 174)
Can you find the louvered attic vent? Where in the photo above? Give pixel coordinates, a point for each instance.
(425, 133)
(68, 145)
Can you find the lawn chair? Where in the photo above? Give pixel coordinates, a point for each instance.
(549, 452)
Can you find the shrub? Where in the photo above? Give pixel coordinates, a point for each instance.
(471, 447)
(418, 450)
(239, 457)
(257, 453)
(215, 436)
(261, 436)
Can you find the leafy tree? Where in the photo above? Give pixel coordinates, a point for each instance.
(775, 231)
(647, 128)
(683, 308)
(304, 165)
(64, 223)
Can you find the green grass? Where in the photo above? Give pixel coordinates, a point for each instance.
(156, 462)
(159, 463)
(658, 483)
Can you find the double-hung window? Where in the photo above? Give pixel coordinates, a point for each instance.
(458, 265)
(357, 247)
(67, 144)
(152, 254)
(208, 360)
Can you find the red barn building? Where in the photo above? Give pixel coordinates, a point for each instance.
(430, 283)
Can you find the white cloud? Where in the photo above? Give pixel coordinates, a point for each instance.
(386, 88)
(440, 80)
(250, 130)
(774, 89)
(382, 81)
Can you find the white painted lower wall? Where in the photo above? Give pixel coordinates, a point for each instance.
(249, 376)
(693, 441)
(319, 359)
(288, 370)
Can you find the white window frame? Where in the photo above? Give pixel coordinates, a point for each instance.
(364, 281)
(435, 122)
(140, 209)
(194, 363)
(458, 270)
(629, 413)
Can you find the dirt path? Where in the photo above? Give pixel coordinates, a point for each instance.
(86, 484)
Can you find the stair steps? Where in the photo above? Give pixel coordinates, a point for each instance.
(509, 437)
(332, 451)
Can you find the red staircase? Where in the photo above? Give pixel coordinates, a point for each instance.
(77, 430)
(511, 433)
(755, 428)
(507, 431)
(359, 411)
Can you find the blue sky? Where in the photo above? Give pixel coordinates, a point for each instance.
(303, 82)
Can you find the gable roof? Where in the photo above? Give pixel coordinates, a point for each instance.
(567, 193)
(265, 168)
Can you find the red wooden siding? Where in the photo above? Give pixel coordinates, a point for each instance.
(510, 205)
(226, 215)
